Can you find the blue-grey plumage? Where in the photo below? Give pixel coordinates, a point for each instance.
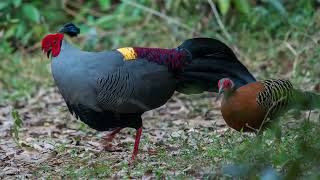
(103, 81)
(93, 83)
(112, 89)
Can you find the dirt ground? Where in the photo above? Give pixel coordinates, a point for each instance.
(47, 126)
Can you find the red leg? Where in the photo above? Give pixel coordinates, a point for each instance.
(107, 143)
(136, 144)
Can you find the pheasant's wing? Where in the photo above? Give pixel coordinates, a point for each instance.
(276, 96)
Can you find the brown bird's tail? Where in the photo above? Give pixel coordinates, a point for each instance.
(211, 60)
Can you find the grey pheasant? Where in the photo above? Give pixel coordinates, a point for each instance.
(110, 90)
(254, 105)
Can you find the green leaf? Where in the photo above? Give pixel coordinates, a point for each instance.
(17, 119)
(16, 3)
(26, 37)
(105, 19)
(17, 124)
(242, 5)
(3, 5)
(31, 13)
(278, 6)
(10, 32)
(224, 6)
(21, 28)
(104, 4)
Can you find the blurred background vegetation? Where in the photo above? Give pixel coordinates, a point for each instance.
(274, 38)
(264, 33)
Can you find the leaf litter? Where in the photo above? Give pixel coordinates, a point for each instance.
(50, 141)
(50, 137)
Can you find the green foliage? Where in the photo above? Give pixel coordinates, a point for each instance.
(31, 13)
(20, 21)
(278, 6)
(224, 6)
(16, 125)
(242, 5)
(104, 4)
(295, 156)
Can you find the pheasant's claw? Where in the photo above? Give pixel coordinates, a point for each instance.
(107, 141)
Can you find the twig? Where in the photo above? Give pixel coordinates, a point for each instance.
(296, 63)
(298, 52)
(216, 15)
(296, 59)
(294, 52)
(309, 115)
(268, 112)
(74, 14)
(79, 6)
(248, 126)
(159, 14)
(33, 47)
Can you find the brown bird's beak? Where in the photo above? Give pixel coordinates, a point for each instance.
(221, 91)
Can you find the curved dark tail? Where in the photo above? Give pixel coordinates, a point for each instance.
(211, 61)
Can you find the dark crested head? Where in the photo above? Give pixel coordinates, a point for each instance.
(225, 84)
(70, 29)
(51, 44)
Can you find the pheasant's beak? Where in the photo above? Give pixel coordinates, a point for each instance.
(49, 52)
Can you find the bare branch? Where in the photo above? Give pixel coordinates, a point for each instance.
(216, 15)
(159, 14)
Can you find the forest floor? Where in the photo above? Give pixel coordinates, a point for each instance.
(186, 137)
(51, 141)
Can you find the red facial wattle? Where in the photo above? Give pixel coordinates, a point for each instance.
(52, 44)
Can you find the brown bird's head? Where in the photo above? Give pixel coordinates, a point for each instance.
(51, 44)
(225, 85)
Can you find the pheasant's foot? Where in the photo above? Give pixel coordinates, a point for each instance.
(107, 141)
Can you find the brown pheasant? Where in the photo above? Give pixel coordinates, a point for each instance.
(253, 106)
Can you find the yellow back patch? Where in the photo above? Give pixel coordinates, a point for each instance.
(128, 53)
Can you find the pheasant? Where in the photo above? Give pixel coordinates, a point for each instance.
(110, 90)
(253, 106)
